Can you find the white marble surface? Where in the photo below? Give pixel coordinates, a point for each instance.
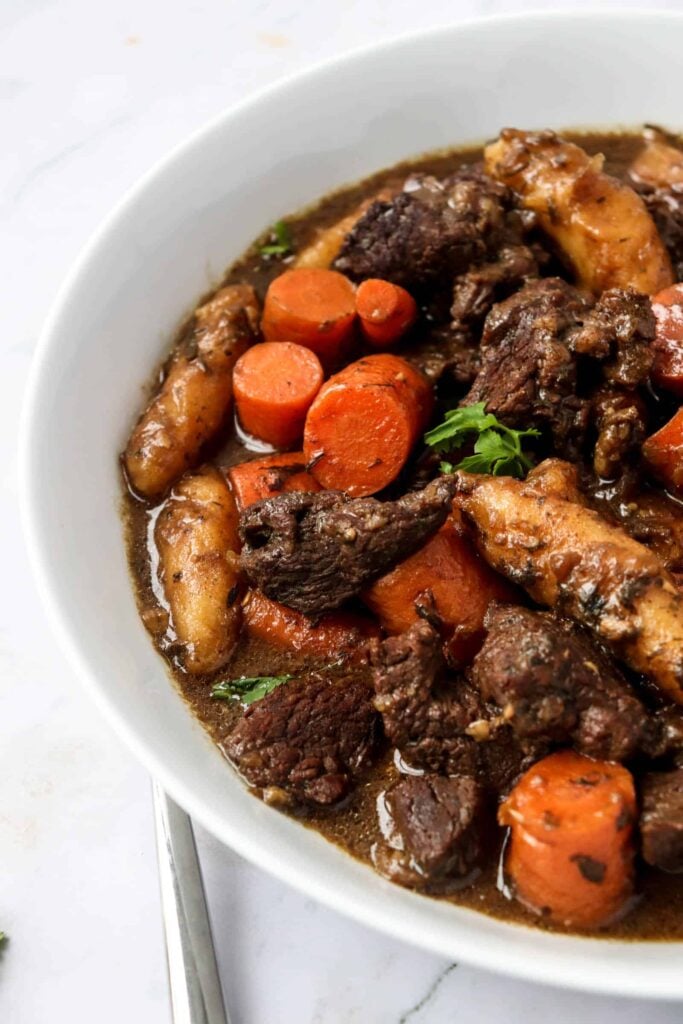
(90, 95)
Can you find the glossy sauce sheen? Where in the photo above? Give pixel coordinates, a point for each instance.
(354, 825)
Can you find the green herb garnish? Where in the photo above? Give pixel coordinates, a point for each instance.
(497, 449)
(247, 690)
(3, 939)
(283, 241)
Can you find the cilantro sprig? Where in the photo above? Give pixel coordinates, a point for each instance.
(248, 689)
(282, 244)
(497, 448)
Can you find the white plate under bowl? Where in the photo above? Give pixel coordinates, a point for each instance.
(166, 243)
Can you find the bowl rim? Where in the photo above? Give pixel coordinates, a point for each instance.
(548, 966)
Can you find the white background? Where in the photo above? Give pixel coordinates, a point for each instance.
(91, 94)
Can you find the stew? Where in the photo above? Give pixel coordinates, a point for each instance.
(403, 514)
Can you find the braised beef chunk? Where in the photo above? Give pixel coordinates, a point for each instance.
(666, 208)
(435, 830)
(553, 683)
(663, 735)
(651, 517)
(438, 722)
(432, 231)
(530, 351)
(477, 290)
(661, 820)
(426, 722)
(618, 332)
(446, 351)
(309, 737)
(528, 374)
(312, 552)
(620, 421)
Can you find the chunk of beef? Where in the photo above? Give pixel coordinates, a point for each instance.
(620, 421)
(446, 351)
(435, 831)
(440, 724)
(308, 738)
(477, 290)
(656, 520)
(433, 230)
(648, 516)
(663, 735)
(661, 820)
(312, 552)
(427, 722)
(553, 683)
(528, 374)
(666, 209)
(535, 344)
(618, 332)
(452, 350)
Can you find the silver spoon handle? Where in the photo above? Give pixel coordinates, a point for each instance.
(196, 995)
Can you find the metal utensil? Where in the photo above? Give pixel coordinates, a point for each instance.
(196, 995)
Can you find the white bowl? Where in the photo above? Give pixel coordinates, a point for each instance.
(167, 242)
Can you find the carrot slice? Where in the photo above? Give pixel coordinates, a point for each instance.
(311, 306)
(332, 636)
(364, 422)
(570, 855)
(667, 370)
(274, 385)
(385, 310)
(445, 582)
(266, 478)
(663, 452)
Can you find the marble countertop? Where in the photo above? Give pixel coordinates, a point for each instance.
(90, 95)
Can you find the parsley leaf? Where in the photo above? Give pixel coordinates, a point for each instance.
(248, 689)
(3, 939)
(283, 241)
(497, 448)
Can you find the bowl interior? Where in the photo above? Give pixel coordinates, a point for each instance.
(166, 244)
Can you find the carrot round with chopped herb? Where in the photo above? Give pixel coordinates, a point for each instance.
(311, 306)
(266, 478)
(667, 370)
(274, 384)
(663, 452)
(570, 855)
(332, 636)
(385, 311)
(364, 422)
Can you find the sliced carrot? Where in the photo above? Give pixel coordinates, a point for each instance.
(570, 855)
(667, 370)
(663, 452)
(445, 582)
(364, 422)
(385, 310)
(311, 306)
(266, 478)
(274, 384)
(332, 636)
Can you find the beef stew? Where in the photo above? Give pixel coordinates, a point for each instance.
(442, 622)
